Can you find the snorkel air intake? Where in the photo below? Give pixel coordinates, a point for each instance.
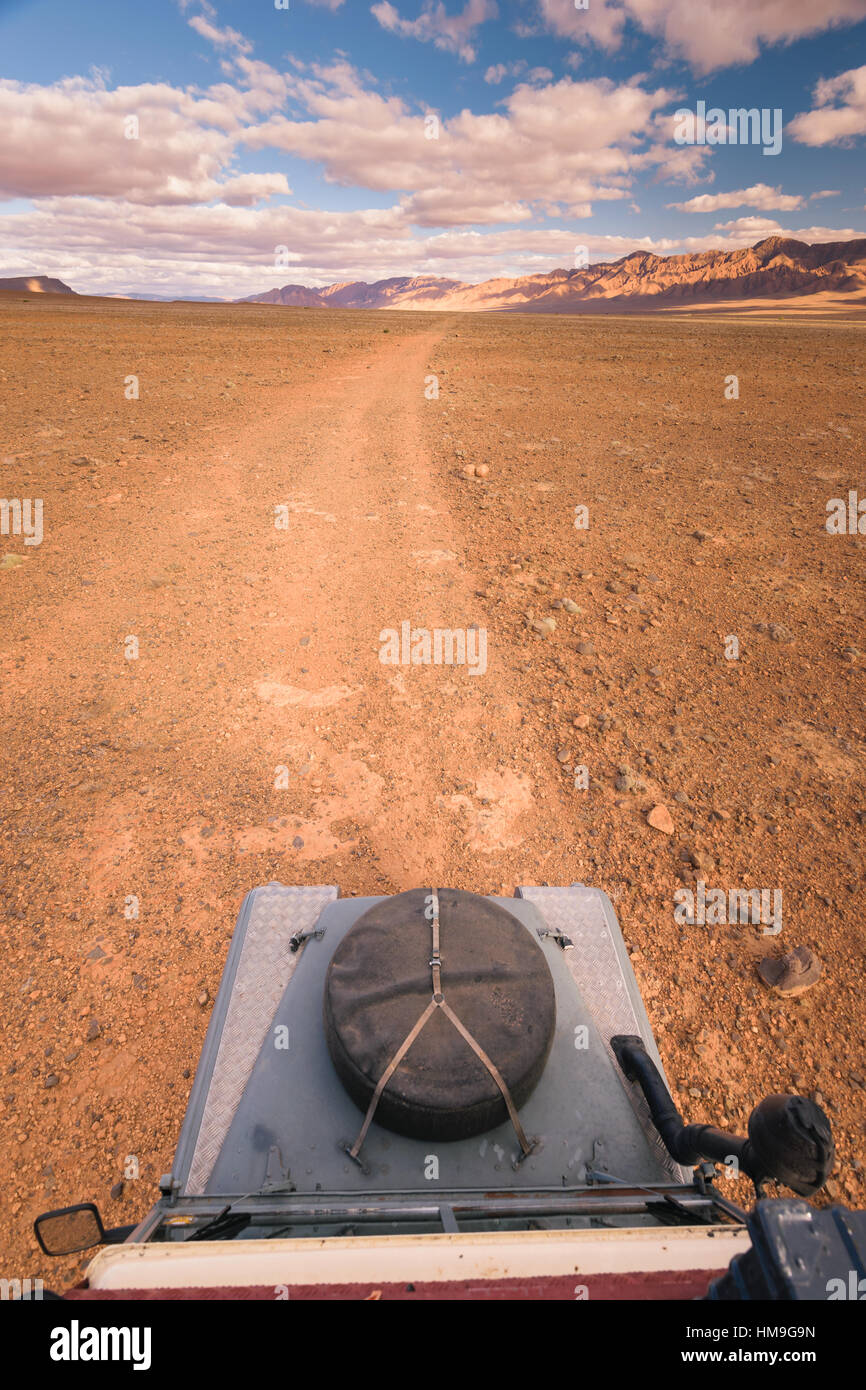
(790, 1140)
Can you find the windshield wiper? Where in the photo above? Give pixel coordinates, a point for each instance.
(223, 1226)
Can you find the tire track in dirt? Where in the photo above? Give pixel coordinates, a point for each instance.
(404, 755)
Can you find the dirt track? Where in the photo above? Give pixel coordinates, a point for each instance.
(257, 734)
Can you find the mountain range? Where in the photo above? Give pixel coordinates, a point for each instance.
(776, 268)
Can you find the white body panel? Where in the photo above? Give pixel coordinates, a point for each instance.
(398, 1259)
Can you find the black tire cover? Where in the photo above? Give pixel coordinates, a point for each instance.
(494, 978)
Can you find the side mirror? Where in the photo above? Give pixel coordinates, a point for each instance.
(69, 1229)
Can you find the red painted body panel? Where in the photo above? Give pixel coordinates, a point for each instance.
(654, 1287)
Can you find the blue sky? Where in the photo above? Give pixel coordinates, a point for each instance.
(294, 145)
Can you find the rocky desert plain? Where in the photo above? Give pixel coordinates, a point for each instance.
(193, 700)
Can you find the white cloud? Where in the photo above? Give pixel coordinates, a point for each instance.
(554, 148)
(435, 25)
(751, 228)
(498, 71)
(760, 195)
(71, 137)
(707, 33)
(222, 38)
(745, 231)
(839, 114)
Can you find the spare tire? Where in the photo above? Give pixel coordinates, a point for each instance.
(494, 978)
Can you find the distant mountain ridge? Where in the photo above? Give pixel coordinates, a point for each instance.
(357, 294)
(776, 268)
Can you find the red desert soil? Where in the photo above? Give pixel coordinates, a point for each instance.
(156, 778)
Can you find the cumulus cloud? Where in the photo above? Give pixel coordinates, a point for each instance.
(709, 35)
(745, 231)
(435, 25)
(839, 114)
(73, 137)
(553, 148)
(760, 195)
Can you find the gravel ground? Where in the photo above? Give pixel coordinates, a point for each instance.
(194, 700)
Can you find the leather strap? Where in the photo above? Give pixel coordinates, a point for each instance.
(494, 1072)
(386, 1077)
(432, 911)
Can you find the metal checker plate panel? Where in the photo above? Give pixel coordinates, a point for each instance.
(263, 971)
(587, 918)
